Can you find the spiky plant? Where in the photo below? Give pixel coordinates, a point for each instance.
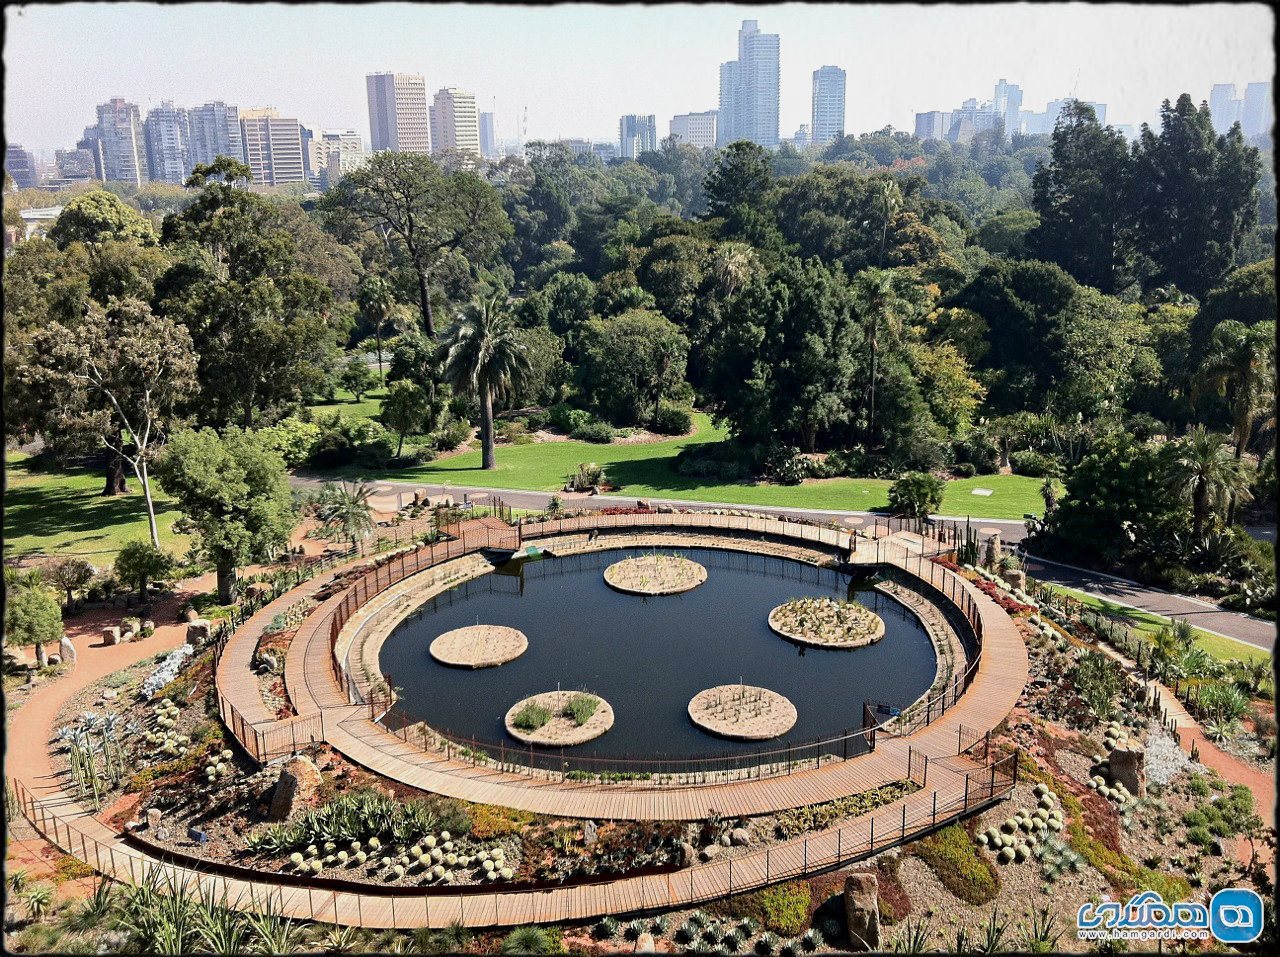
(221, 930)
(766, 944)
(731, 942)
(811, 940)
(272, 933)
(1041, 934)
(37, 900)
(97, 911)
(993, 932)
(686, 933)
(605, 929)
(633, 930)
(526, 940)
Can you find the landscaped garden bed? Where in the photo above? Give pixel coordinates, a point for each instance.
(827, 623)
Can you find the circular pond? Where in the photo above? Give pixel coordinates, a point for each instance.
(649, 656)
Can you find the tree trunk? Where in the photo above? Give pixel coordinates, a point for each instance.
(115, 480)
(145, 479)
(1198, 510)
(424, 300)
(400, 446)
(377, 333)
(226, 580)
(247, 421)
(488, 460)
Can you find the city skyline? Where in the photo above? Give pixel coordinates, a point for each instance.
(57, 76)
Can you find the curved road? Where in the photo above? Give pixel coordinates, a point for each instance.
(1209, 617)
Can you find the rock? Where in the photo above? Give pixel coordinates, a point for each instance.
(645, 944)
(126, 636)
(55, 660)
(739, 837)
(148, 627)
(267, 662)
(710, 852)
(862, 911)
(192, 615)
(589, 834)
(153, 818)
(688, 854)
(666, 509)
(1128, 767)
(724, 839)
(67, 650)
(258, 590)
(1016, 578)
(1217, 848)
(109, 694)
(42, 658)
(298, 781)
(198, 631)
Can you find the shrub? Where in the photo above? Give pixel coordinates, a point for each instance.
(716, 460)
(531, 717)
(344, 441)
(916, 494)
(140, 563)
(672, 420)
(292, 439)
(599, 432)
(783, 909)
(566, 418)
(489, 820)
(1035, 464)
(451, 436)
(977, 450)
(964, 470)
(588, 474)
(538, 421)
(580, 707)
(952, 855)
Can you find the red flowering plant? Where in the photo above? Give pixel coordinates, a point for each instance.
(1004, 601)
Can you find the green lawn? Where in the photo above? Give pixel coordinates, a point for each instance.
(345, 404)
(645, 471)
(64, 513)
(1221, 648)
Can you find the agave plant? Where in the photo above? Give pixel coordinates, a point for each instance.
(37, 900)
(527, 940)
(1042, 934)
(914, 937)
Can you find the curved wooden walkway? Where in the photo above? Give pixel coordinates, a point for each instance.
(316, 695)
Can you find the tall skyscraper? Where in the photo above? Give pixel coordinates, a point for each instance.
(92, 143)
(488, 141)
(1008, 103)
(749, 89)
(75, 166)
(124, 153)
(637, 134)
(20, 165)
(1224, 107)
(455, 123)
(331, 155)
(272, 147)
(215, 131)
(168, 141)
(695, 129)
(827, 119)
(398, 118)
(1257, 112)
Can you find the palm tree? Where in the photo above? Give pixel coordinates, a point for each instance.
(1241, 365)
(888, 199)
(879, 301)
(345, 510)
(1202, 470)
(377, 300)
(733, 264)
(482, 355)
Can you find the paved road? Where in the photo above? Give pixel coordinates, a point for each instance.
(1253, 631)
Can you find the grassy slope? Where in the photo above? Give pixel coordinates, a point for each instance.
(645, 471)
(1221, 648)
(63, 513)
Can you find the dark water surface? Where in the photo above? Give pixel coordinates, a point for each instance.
(649, 656)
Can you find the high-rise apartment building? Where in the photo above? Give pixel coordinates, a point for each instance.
(579, 147)
(488, 141)
(695, 129)
(124, 152)
(1045, 122)
(606, 151)
(272, 147)
(215, 131)
(398, 116)
(749, 89)
(75, 166)
(1257, 111)
(827, 116)
(21, 166)
(91, 143)
(167, 134)
(455, 122)
(1007, 102)
(933, 125)
(331, 155)
(637, 133)
(1224, 106)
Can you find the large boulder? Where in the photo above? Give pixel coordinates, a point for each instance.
(1128, 766)
(198, 631)
(1016, 578)
(688, 854)
(645, 944)
(710, 852)
(67, 650)
(297, 784)
(740, 837)
(862, 911)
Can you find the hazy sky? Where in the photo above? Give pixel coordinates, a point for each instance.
(578, 67)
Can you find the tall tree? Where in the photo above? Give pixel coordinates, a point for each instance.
(481, 354)
(377, 299)
(406, 410)
(121, 373)
(1201, 469)
(97, 216)
(630, 361)
(1083, 200)
(233, 492)
(1195, 194)
(1241, 364)
(431, 215)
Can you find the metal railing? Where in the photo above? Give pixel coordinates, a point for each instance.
(480, 907)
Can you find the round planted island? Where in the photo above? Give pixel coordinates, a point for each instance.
(559, 719)
(742, 712)
(479, 646)
(827, 623)
(655, 574)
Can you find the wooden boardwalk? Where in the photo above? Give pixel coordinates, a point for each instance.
(954, 786)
